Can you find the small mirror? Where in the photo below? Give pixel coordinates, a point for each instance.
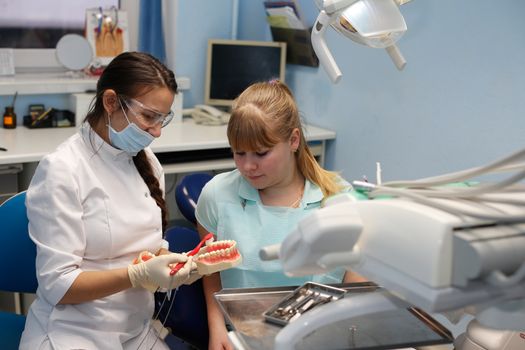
(74, 52)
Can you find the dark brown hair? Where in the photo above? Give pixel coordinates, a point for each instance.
(265, 114)
(133, 74)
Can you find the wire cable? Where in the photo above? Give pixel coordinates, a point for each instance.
(156, 317)
(504, 164)
(441, 205)
(473, 201)
(469, 192)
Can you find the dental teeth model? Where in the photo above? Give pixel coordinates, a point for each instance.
(143, 257)
(217, 256)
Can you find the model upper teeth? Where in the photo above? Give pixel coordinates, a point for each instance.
(218, 249)
(218, 256)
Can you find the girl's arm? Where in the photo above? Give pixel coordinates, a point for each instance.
(216, 325)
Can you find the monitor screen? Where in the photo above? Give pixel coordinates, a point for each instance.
(233, 65)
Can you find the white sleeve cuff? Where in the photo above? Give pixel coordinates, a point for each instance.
(164, 244)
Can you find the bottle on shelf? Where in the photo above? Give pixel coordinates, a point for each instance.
(10, 115)
(9, 118)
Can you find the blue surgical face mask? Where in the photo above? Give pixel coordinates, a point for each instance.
(131, 139)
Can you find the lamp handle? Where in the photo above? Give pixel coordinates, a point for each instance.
(396, 56)
(321, 49)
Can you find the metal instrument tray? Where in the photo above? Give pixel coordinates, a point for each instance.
(405, 327)
(302, 300)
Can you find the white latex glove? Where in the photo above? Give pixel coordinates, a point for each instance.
(155, 272)
(194, 275)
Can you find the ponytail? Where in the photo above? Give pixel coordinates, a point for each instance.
(310, 168)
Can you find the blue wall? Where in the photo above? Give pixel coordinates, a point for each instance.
(458, 103)
(198, 21)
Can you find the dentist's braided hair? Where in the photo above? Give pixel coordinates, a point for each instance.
(133, 74)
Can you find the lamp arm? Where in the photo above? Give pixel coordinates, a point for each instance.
(321, 49)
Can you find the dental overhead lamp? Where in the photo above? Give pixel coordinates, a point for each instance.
(373, 23)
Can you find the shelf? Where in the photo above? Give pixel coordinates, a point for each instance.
(45, 83)
(56, 83)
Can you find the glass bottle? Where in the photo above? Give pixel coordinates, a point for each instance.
(9, 118)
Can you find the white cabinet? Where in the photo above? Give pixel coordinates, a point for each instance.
(81, 88)
(46, 83)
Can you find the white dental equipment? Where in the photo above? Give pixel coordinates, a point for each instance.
(373, 23)
(437, 246)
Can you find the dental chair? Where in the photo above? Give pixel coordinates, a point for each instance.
(187, 193)
(187, 318)
(17, 254)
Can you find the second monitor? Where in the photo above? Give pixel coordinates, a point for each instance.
(233, 65)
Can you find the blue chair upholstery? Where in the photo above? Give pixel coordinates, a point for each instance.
(187, 193)
(18, 253)
(187, 318)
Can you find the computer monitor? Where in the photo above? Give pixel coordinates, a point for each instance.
(233, 65)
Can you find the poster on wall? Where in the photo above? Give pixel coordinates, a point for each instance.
(107, 32)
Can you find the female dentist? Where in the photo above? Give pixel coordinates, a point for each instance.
(94, 204)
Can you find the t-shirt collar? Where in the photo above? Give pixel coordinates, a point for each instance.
(312, 192)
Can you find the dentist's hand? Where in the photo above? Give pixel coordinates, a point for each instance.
(194, 275)
(155, 272)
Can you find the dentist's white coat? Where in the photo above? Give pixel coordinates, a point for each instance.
(89, 210)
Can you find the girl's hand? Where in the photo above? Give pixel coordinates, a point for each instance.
(219, 341)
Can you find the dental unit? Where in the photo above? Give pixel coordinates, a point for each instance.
(442, 244)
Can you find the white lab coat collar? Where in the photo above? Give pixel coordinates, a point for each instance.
(99, 146)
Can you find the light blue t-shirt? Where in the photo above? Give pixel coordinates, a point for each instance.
(231, 208)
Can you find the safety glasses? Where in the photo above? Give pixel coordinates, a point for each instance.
(146, 115)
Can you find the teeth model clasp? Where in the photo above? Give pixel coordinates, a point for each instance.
(217, 256)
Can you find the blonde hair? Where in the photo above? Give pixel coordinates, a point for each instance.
(266, 114)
